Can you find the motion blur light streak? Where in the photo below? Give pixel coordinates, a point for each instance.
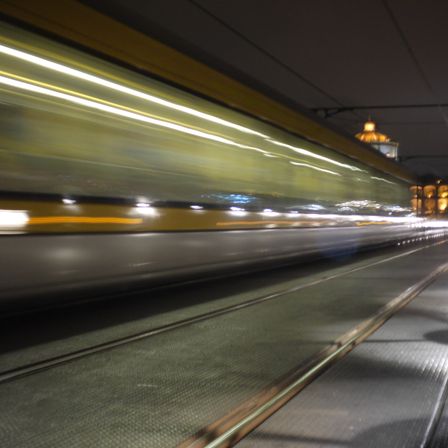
(305, 219)
(12, 219)
(265, 223)
(252, 148)
(142, 116)
(382, 180)
(436, 224)
(153, 179)
(269, 212)
(371, 223)
(145, 209)
(112, 85)
(237, 211)
(82, 100)
(110, 109)
(109, 84)
(305, 152)
(82, 220)
(306, 165)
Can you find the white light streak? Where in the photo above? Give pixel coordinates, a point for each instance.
(12, 219)
(111, 109)
(120, 88)
(269, 212)
(250, 147)
(306, 165)
(436, 224)
(382, 180)
(237, 211)
(145, 209)
(305, 152)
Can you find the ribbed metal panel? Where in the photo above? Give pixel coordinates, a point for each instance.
(386, 393)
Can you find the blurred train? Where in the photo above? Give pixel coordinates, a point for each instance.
(110, 178)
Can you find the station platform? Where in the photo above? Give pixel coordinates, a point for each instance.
(390, 391)
(185, 367)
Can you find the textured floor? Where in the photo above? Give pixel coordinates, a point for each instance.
(385, 393)
(157, 392)
(52, 333)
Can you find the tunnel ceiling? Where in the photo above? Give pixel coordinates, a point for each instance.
(323, 55)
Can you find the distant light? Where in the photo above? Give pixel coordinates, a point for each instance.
(369, 126)
(143, 204)
(196, 207)
(68, 201)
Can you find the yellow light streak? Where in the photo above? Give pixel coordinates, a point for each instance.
(257, 223)
(83, 220)
(371, 223)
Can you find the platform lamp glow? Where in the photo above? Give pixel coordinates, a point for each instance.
(442, 198)
(431, 199)
(379, 141)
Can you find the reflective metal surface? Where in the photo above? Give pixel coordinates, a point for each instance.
(73, 262)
